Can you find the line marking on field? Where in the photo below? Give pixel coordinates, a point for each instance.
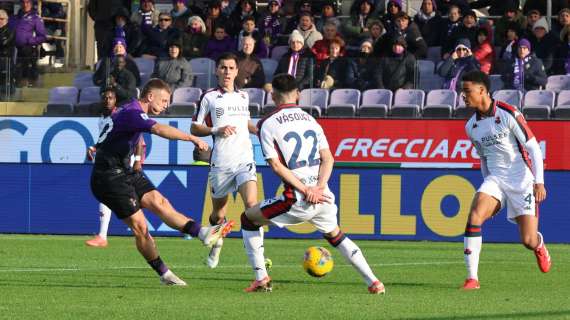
(241, 266)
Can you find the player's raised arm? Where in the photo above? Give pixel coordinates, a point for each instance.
(172, 133)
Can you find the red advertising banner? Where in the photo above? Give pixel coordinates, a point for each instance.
(430, 143)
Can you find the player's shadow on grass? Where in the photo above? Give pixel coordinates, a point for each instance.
(521, 315)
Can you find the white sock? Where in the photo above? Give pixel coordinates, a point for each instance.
(472, 246)
(354, 256)
(253, 242)
(104, 219)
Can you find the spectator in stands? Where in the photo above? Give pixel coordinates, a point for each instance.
(396, 71)
(445, 5)
(540, 5)
(526, 71)
(496, 8)
(102, 11)
(452, 22)
(392, 9)
(430, 22)
(467, 30)
(123, 28)
(562, 22)
(249, 30)
(544, 43)
(7, 45)
(484, 51)
(221, 42)
(146, 17)
(159, 37)
(561, 63)
(321, 48)
(307, 29)
(509, 49)
(194, 40)
(297, 62)
(328, 14)
(120, 79)
(250, 69)
(458, 63)
(228, 6)
(511, 15)
(180, 14)
(174, 70)
(214, 17)
(366, 65)
(409, 30)
(119, 49)
(302, 7)
(245, 8)
(30, 33)
(272, 24)
(382, 45)
(355, 29)
(531, 18)
(336, 71)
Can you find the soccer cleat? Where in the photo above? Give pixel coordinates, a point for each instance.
(170, 279)
(97, 241)
(211, 234)
(263, 285)
(214, 256)
(377, 288)
(542, 256)
(471, 284)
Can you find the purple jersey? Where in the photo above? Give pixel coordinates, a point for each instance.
(120, 135)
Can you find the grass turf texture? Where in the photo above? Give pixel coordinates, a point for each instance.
(58, 277)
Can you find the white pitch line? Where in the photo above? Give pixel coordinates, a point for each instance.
(32, 270)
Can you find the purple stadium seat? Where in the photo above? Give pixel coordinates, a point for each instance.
(344, 103)
(314, 101)
(408, 103)
(83, 79)
(88, 96)
(562, 109)
(375, 103)
(538, 103)
(558, 83)
(278, 52)
(512, 97)
(434, 54)
(440, 103)
(61, 100)
(496, 82)
(204, 70)
(269, 66)
(256, 98)
(184, 101)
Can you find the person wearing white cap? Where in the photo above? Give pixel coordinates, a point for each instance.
(297, 62)
(544, 43)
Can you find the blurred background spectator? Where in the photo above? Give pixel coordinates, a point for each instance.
(336, 71)
(430, 23)
(221, 42)
(7, 45)
(250, 69)
(298, 62)
(484, 51)
(397, 70)
(526, 71)
(195, 39)
(460, 61)
(174, 70)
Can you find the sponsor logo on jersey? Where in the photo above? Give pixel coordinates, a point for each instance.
(219, 112)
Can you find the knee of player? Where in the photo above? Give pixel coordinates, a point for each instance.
(140, 229)
(160, 201)
(250, 204)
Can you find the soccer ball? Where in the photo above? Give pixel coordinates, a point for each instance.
(317, 262)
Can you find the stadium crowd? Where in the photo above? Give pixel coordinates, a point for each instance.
(377, 46)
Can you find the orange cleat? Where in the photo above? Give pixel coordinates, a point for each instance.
(377, 288)
(543, 258)
(97, 241)
(263, 285)
(471, 284)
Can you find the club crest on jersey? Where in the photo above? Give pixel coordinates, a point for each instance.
(219, 112)
(475, 125)
(242, 95)
(497, 120)
(144, 116)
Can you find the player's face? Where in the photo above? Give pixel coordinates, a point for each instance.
(158, 101)
(472, 93)
(227, 71)
(109, 100)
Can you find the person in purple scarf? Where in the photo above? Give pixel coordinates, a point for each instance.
(271, 24)
(526, 71)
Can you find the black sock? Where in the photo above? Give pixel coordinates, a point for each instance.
(192, 228)
(158, 265)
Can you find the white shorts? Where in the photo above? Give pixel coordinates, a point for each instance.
(224, 181)
(518, 201)
(283, 211)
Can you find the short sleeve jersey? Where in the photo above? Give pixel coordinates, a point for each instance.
(120, 135)
(499, 138)
(220, 108)
(295, 138)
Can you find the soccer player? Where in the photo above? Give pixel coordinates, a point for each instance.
(224, 113)
(126, 191)
(512, 168)
(297, 150)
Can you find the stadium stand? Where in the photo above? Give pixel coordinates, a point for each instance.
(184, 101)
(538, 103)
(408, 103)
(61, 101)
(344, 103)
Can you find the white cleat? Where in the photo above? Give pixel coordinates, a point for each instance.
(170, 279)
(211, 234)
(214, 256)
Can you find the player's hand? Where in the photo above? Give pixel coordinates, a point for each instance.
(91, 153)
(316, 195)
(539, 192)
(226, 131)
(137, 166)
(201, 144)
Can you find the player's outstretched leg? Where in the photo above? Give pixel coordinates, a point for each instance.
(253, 243)
(352, 253)
(146, 247)
(100, 240)
(471, 249)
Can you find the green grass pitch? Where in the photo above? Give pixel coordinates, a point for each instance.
(58, 277)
